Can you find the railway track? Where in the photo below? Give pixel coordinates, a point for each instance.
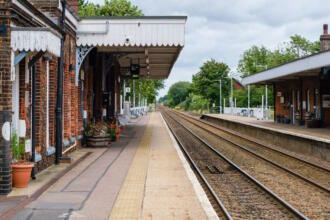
(238, 195)
(306, 196)
(306, 170)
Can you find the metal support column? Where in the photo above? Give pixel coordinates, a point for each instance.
(59, 101)
(249, 101)
(266, 102)
(220, 98)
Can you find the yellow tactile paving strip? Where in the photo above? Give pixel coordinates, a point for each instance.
(129, 201)
(169, 194)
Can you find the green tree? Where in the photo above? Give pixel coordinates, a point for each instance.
(163, 99)
(257, 59)
(198, 103)
(109, 8)
(147, 88)
(254, 60)
(205, 82)
(178, 92)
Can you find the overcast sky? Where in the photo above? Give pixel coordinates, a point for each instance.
(223, 29)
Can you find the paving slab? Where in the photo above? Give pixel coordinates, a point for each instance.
(89, 190)
(158, 184)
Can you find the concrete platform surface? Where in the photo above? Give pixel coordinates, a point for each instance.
(318, 134)
(142, 176)
(89, 190)
(157, 185)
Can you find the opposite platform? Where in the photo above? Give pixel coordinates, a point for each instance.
(307, 142)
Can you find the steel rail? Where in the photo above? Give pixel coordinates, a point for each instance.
(256, 142)
(260, 156)
(209, 187)
(263, 187)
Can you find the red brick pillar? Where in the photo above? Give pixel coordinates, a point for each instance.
(5, 96)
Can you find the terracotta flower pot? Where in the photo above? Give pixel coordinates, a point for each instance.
(21, 173)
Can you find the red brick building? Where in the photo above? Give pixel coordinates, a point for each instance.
(301, 87)
(49, 54)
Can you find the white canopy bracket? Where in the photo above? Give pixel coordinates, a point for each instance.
(81, 53)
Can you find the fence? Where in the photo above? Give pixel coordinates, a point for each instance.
(257, 112)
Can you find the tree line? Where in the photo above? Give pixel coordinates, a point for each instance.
(203, 92)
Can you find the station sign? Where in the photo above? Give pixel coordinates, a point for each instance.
(135, 71)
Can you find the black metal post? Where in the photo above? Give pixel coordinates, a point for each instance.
(82, 107)
(274, 96)
(33, 109)
(59, 102)
(301, 100)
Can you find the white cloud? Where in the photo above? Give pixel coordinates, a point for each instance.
(223, 29)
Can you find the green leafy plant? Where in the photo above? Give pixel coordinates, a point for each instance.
(87, 130)
(18, 148)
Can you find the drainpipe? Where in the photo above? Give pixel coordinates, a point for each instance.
(59, 102)
(33, 109)
(82, 102)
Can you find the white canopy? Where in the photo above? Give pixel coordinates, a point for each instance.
(154, 42)
(306, 66)
(131, 31)
(35, 39)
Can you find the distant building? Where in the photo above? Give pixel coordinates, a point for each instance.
(301, 87)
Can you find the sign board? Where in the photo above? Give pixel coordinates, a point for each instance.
(279, 94)
(326, 101)
(27, 146)
(22, 128)
(27, 99)
(134, 71)
(128, 89)
(282, 100)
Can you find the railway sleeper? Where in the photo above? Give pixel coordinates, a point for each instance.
(214, 169)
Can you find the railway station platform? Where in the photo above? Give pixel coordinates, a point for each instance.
(306, 142)
(143, 175)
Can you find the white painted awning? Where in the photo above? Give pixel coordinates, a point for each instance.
(306, 66)
(153, 42)
(35, 39)
(131, 31)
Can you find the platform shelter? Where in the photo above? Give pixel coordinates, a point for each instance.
(301, 88)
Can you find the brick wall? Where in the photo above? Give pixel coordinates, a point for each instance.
(74, 5)
(325, 39)
(70, 91)
(286, 88)
(50, 7)
(5, 97)
(53, 71)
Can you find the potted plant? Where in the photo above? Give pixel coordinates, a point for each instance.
(97, 135)
(21, 169)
